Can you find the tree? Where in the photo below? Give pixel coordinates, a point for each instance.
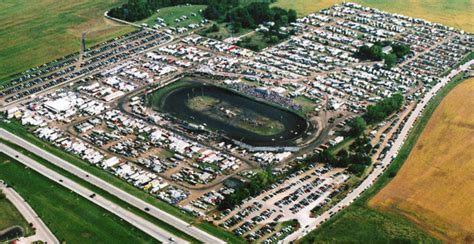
(379, 111)
(327, 157)
(213, 28)
(390, 60)
(356, 169)
(343, 159)
(358, 126)
(273, 39)
(211, 12)
(292, 16)
(400, 50)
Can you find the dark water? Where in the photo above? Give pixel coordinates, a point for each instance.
(12, 233)
(175, 104)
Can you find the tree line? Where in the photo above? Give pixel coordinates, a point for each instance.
(376, 113)
(240, 16)
(135, 10)
(249, 16)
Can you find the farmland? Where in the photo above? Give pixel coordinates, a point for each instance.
(434, 189)
(35, 32)
(455, 13)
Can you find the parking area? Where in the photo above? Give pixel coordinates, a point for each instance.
(290, 199)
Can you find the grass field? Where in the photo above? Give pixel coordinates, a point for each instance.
(307, 104)
(169, 14)
(225, 31)
(435, 187)
(70, 217)
(455, 13)
(9, 216)
(360, 223)
(35, 32)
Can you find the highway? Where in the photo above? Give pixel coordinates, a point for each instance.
(313, 223)
(139, 222)
(42, 233)
(132, 200)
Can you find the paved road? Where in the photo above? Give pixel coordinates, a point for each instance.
(42, 233)
(373, 176)
(139, 222)
(132, 200)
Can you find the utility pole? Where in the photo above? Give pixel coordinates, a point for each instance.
(82, 50)
(83, 42)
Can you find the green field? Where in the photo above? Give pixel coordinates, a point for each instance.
(255, 41)
(70, 217)
(225, 31)
(35, 32)
(359, 223)
(306, 103)
(169, 14)
(9, 216)
(455, 13)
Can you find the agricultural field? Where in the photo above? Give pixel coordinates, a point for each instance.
(75, 220)
(434, 188)
(455, 13)
(170, 14)
(35, 32)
